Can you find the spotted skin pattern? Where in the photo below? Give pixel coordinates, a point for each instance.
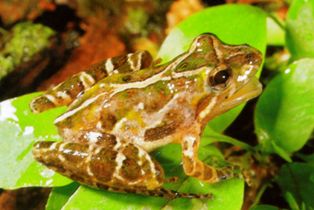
(125, 107)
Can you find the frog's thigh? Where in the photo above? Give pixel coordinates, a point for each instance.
(114, 166)
(67, 91)
(194, 167)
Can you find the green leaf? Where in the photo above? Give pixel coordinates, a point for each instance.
(284, 115)
(234, 24)
(299, 29)
(228, 195)
(60, 195)
(275, 33)
(88, 198)
(264, 207)
(19, 129)
(296, 181)
(307, 158)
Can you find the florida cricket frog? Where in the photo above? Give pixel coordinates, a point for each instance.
(125, 107)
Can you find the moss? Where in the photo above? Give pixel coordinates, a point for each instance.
(23, 42)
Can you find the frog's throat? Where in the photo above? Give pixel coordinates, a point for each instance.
(249, 90)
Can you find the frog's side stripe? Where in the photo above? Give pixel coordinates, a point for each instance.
(205, 112)
(67, 91)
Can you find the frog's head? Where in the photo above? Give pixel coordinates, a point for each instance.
(230, 74)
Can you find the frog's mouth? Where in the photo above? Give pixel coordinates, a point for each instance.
(249, 90)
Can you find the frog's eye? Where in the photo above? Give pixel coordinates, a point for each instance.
(221, 77)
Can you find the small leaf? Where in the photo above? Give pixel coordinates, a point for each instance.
(296, 180)
(284, 115)
(60, 195)
(300, 24)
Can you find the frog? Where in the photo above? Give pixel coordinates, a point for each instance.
(122, 109)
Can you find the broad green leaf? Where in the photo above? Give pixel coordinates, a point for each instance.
(88, 198)
(296, 181)
(234, 24)
(284, 115)
(60, 195)
(19, 129)
(227, 195)
(299, 27)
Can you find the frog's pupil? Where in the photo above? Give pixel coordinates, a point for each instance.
(221, 77)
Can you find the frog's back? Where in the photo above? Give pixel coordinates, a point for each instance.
(148, 110)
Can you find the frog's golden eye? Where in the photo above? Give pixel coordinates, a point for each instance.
(221, 77)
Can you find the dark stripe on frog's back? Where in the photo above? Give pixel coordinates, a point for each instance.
(160, 132)
(172, 120)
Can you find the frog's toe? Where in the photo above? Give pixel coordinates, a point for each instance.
(228, 172)
(172, 179)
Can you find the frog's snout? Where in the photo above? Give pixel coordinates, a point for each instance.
(254, 58)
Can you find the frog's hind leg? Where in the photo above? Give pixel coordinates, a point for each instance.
(113, 165)
(64, 93)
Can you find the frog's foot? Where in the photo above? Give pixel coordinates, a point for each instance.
(170, 194)
(194, 167)
(158, 192)
(171, 179)
(228, 172)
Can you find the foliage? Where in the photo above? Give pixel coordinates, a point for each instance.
(284, 122)
(20, 46)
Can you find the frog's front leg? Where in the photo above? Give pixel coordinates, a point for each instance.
(113, 165)
(64, 93)
(196, 168)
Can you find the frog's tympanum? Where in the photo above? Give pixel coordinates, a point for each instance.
(125, 107)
